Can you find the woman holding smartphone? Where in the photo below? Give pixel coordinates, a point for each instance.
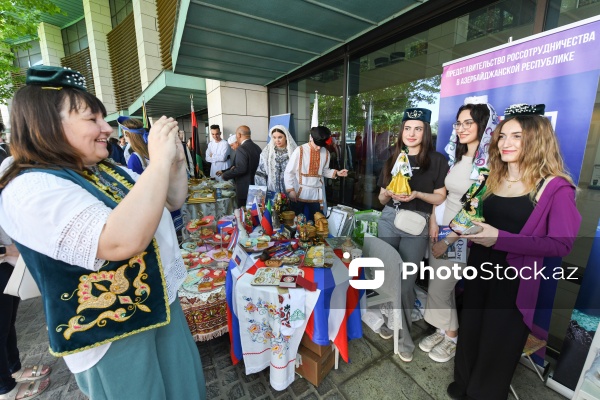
(530, 213)
(429, 169)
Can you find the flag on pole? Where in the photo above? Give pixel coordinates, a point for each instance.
(197, 158)
(315, 114)
(267, 222)
(145, 119)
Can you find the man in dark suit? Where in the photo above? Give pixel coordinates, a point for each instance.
(246, 161)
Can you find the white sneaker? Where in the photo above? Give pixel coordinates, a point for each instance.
(429, 342)
(386, 332)
(444, 351)
(405, 356)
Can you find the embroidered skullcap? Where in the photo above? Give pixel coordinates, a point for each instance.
(419, 114)
(231, 139)
(55, 77)
(480, 159)
(524, 109)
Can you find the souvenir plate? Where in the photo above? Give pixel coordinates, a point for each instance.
(271, 276)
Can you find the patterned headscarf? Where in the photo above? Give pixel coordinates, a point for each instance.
(480, 160)
(270, 148)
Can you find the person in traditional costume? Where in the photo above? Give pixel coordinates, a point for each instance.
(304, 173)
(530, 213)
(133, 129)
(427, 169)
(99, 242)
(468, 158)
(274, 159)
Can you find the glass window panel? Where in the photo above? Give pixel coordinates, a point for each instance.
(563, 12)
(35, 47)
(81, 28)
(72, 33)
(277, 101)
(83, 43)
(329, 84)
(74, 47)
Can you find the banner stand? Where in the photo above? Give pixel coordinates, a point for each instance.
(559, 388)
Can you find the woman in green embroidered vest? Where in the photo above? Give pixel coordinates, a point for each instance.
(102, 251)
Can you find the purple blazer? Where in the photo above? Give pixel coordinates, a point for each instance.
(549, 232)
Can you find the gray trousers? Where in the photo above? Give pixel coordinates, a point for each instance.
(412, 249)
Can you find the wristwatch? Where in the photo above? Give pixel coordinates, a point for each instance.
(446, 242)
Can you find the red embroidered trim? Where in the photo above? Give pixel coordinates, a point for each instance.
(315, 162)
(285, 366)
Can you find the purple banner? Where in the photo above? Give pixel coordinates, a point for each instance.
(562, 53)
(559, 69)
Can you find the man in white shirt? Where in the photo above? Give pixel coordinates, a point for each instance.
(218, 153)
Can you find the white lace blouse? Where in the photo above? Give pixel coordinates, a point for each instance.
(60, 219)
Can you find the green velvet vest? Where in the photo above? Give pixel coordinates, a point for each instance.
(84, 308)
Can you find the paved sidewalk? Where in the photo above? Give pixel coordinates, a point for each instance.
(374, 372)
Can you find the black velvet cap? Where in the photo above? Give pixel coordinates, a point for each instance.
(55, 77)
(525, 109)
(320, 135)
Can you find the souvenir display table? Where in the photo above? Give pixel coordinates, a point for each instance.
(266, 323)
(202, 294)
(208, 198)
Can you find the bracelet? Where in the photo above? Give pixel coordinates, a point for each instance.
(446, 242)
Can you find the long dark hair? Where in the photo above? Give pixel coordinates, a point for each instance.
(423, 160)
(37, 137)
(137, 141)
(480, 113)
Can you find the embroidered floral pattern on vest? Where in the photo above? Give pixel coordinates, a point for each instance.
(93, 294)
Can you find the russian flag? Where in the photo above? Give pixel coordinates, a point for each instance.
(255, 212)
(267, 222)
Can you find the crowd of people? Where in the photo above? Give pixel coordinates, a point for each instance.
(75, 205)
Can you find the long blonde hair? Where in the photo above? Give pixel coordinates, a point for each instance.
(540, 154)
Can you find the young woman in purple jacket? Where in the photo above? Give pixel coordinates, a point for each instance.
(530, 213)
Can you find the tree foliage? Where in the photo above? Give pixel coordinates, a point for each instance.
(19, 20)
(388, 105)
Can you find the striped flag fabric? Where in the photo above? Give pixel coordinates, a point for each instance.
(145, 118)
(267, 221)
(255, 212)
(196, 146)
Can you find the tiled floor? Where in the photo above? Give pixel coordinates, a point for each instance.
(373, 373)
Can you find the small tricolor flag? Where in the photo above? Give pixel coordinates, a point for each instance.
(267, 222)
(255, 212)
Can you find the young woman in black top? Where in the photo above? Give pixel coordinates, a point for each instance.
(429, 168)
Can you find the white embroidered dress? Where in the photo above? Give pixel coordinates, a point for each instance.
(60, 219)
(305, 171)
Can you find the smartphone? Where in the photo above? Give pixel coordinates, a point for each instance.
(472, 230)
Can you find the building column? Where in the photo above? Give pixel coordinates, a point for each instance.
(148, 43)
(231, 104)
(51, 44)
(98, 24)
